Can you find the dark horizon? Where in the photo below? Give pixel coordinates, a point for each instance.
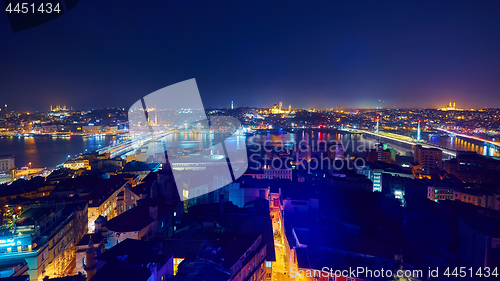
(327, 55)
(255, 107)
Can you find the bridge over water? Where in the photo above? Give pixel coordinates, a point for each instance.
(404, 139)
(485, 141)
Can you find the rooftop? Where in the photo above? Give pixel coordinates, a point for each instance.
(201, 269)
(7, 156)
(136, 252)
(135, 166)
(138, 218)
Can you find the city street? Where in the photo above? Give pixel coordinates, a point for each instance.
(280, 267)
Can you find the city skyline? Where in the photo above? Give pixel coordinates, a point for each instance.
(326, 55)
(443, 107)
(250, 140)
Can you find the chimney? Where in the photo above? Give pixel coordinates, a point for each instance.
(487, 251)
(99, 223)
(169, 190)
(90, 263)
(154, 270)
(153, 211)
(221, 202)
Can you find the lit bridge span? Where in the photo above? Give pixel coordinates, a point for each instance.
(138, 140)
(490, 142)
(403, 139)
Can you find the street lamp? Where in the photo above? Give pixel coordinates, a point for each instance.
(29, 164)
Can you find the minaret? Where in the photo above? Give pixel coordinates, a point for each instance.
(232, 105)
(418, 131)
(90, 264)
(290, 108)
(281, 104)
(378, 118)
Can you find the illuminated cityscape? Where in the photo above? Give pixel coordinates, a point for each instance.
(250, 141)
(448, 156)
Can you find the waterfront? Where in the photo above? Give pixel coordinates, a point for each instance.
(355, 143)
(48, 151)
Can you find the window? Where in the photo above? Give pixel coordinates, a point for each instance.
(175, 214)
(269, 264)
(83, 261)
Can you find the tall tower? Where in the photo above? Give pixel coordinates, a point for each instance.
(156, 116)
(290, 108)
(418, 131)
(232, 104)
(281, 104)
(90, 264)
(378, 118)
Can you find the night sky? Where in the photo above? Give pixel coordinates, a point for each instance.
(326, 54)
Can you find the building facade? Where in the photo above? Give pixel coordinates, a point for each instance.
(7, 163)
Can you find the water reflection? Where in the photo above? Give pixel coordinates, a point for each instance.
(369, 141)
(48, 151)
